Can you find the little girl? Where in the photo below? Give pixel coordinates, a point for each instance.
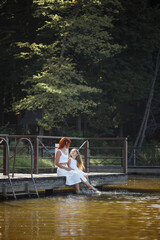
(75, 162)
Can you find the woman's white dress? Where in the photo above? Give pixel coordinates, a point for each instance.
(73, 164)
(72, 177)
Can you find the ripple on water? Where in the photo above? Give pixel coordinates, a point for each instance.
(118, 214)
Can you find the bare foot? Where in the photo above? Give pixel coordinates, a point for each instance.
(93, 189)
(78, 192)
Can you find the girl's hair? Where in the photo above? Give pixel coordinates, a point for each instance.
(78, 158)
(65, 141)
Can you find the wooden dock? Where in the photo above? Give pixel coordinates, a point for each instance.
(23, 182)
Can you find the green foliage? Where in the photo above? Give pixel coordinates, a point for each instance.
(58, 98)
(23, 164)
(5, 129)
(93, 59)
(126, 79)
(81, 32)
(148, 156)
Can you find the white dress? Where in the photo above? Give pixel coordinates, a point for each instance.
(72, 177)
(73, 164)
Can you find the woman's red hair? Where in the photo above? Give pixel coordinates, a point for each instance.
(65, 141)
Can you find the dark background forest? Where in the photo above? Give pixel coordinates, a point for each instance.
(79, 68)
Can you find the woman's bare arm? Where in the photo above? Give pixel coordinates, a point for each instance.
(60, 165)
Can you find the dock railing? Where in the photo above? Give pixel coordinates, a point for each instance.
(98, 154)
(147, 156)
(106, 155)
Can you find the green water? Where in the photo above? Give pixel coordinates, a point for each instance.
(115, 214)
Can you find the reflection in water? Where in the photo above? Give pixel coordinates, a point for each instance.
(112, 215)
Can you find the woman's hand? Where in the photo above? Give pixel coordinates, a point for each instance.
(69, 169)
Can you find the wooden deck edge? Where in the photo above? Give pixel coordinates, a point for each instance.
(55, 182)
(144, 170)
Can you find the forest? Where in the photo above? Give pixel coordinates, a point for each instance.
(82, 67)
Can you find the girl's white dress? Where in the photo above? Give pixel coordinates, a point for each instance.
(72, 177)
(73, 164)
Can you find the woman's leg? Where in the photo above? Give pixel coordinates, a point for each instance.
(77, 188)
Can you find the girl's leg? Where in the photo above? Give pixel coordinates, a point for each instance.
(77, 188)
(89, 186)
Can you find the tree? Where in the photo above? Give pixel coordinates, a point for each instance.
(126, 77)
(15, 22)
(77, 32)
(141, 134)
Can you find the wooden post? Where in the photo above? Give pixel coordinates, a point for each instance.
(36, 155)
(125, 156)
(5, 159)
(4, 141)
(86, 164)
(134, 157)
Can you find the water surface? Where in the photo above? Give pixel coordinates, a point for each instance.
(115, 214)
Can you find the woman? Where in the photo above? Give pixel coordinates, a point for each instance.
(61, 160)
(72, 177)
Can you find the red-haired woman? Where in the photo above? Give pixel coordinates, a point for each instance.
(61, 160)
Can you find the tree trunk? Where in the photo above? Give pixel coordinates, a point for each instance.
(141, 134)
